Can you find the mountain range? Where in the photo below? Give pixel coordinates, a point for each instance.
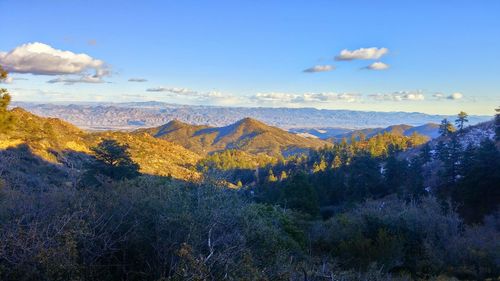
(430, 130)
(135, 115)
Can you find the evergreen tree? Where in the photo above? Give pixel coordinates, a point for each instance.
(336, 163)
(446, 128)
(112, 160)
(395, 174)
(283, 176)
(364, 178)
(425, 154)
(497, 124)
(461, 120)
(415, 181)
(5, 117)
(477, 194)
(271, 177)
(299, 194)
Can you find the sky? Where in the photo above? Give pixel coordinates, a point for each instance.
(415, 56)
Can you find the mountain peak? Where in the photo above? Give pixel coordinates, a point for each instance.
(250, 122)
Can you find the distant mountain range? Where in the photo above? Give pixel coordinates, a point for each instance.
(247, 135)
(430, 130)
(130, 116)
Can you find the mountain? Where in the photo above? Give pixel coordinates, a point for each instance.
(65, 147)
(134, 115)
(430, 130)
(247, 134)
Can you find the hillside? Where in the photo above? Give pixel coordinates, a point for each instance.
(247, 134)
(57, 142)
(430, 130)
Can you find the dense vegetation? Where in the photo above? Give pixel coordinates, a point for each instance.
(79, 206)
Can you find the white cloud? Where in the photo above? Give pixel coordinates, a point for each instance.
(41, 59)
(438, 95)
(137, 80)
(400, 96)
(377, 66)
(362, 54)
(319, 68)
(71, 81)
(306, 98)
(455, 96)
(173, 90)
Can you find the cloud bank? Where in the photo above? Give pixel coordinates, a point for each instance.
(399, 96)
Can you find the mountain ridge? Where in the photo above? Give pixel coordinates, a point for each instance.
(247, 134)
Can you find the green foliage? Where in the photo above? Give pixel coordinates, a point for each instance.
(113, 161)
(145, 229)
(446, 128)
(497, 124)
(461, 120)
(476, 193)
(416, 238)
(5, 117)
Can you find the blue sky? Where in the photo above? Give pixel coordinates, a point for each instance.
(430, 56)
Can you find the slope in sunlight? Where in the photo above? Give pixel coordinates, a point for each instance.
(247, 134)
(52, 140)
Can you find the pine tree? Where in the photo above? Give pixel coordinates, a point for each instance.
(336, 163)
(283, 176)
(271, 177)
(461, 120)
(446, 128)
(5, 116)
(112, 160)
(425, 154)
(497, 124)
(477, 194)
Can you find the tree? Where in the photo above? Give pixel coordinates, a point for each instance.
(461, 120)
(477, 194)
(446, 128)
(299, 194)
(113, 161)
(5, 117)
(497, 124)
(283, 176)
(271, 177)
(336, 163)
